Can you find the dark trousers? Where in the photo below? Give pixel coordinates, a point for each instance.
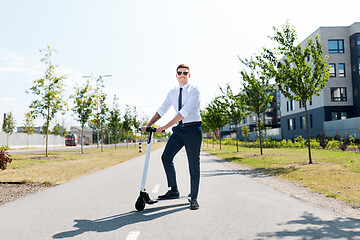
(191, 138)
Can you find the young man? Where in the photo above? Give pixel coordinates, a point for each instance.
(186, 100)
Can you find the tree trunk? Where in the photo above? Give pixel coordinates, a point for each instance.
(237, 138)
(308, 132)
(115, 140)
(220, 139)
(213, 139)
(127, 139)
(82, 139)
(260, 137)
(101, 137)
(47, 133)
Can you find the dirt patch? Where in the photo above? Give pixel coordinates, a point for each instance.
(12, 191)
(46, 158)
(259, 155)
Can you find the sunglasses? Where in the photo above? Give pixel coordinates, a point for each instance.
(185, 73)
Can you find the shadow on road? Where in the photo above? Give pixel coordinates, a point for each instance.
(115, 222)
(219, 172)
(313, 227)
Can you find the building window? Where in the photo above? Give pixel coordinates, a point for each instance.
(287, 106)
(341, 69)
(332, 70)
(311, 121)
(290, 124)
(302, 122)
(333, 116)
(338, 94)
(336, 46)
(292, 105)
(343, 115)
(294, 123)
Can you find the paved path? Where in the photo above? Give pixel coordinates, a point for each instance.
(232, 206)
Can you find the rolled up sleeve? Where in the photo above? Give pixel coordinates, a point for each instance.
(192, 104)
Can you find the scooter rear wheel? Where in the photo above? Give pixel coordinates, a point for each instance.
(140, 204)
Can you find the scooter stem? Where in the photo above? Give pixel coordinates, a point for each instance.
(147, 158)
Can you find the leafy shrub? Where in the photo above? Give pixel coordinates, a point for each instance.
(333, 144)
(344, 143)
(4, 159)
(300, 142)
(323, 140)
(314, 143)
(352, 140)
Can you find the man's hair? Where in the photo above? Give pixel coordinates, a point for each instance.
(183, 66)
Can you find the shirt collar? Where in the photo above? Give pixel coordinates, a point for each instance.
(185, 86)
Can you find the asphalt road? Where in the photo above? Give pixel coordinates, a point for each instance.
(232, 206)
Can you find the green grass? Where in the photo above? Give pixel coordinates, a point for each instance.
(333, 173)
(64, 166)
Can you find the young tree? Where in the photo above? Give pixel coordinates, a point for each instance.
(257, 91)
(301, 73)
(114, 120)
(136, 123)
(233, 107)
(8, 126)
(214, 118)
(28, 127)
(49, 89)
(84, 105)
(127, 123)
(245, 131)
(205, 125)
(102, 117)
(56, 129)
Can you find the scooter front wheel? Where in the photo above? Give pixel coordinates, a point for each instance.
(140, 204)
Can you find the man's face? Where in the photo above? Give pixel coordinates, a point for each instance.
(181, 77)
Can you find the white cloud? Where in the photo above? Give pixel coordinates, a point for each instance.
(12, 62)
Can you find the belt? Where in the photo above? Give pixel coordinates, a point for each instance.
(190, 124)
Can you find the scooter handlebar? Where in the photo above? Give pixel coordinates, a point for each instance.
(150, 129)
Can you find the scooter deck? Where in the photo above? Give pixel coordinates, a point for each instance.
(169, 199)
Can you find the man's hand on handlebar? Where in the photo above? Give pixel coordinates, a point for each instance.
(160, 129)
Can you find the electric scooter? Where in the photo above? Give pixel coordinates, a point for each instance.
(144, 196)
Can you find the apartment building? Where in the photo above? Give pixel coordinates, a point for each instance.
(340, 99)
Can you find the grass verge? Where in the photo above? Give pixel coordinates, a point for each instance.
(61, 167)
(333, 173)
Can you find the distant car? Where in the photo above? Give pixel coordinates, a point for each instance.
(71, 140)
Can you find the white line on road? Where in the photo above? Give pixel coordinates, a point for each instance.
(132, 235)
(156, 188)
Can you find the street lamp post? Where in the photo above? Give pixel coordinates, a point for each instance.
(99, 79)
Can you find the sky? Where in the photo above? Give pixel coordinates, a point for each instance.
(140, 43)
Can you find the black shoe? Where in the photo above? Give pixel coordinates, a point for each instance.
(194, 205)
(171, 194)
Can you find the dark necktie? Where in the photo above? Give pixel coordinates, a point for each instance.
(180, 102)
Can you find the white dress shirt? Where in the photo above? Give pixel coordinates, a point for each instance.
(190, 103)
